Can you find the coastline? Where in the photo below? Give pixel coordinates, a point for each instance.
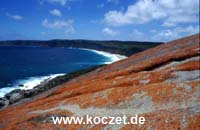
(111, 56)
(17, 95)
(28, 83)
(32, 82)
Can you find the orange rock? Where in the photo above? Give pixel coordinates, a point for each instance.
(162, 84)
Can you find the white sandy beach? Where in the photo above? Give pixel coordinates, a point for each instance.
(112, 57)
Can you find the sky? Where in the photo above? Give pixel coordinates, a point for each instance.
(133, 20)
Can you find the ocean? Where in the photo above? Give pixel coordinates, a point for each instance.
(26, 67)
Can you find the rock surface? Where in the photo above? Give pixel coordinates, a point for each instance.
(162, 84)
(15, 95)
(4, 102)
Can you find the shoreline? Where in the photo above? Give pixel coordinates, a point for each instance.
(30, 82)
(27, 83)
(17, 95)
(113, 57)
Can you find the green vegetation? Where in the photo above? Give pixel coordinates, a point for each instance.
(126, 48)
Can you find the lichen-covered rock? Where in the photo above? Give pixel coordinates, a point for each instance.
(162, 84)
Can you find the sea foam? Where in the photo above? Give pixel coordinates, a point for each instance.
(28, 83)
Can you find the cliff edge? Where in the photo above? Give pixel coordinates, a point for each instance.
(161, 84)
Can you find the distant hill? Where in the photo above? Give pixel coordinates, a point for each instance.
(126, 48)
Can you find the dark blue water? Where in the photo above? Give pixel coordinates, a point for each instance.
(19, 63)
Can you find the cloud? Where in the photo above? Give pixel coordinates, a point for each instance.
(138, 33)
(61, 2)
(138, 36)
(168, 24)
(14, 16)
(66, 26)
(143, 11)
(178, 32)
(56, 12)
(110, 32)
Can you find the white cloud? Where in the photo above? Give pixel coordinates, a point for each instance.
(110, 32)
(56, 12)
(168, 24)
(143, 11)
(138, 35)
(61, 2)
(153, 31)
(66, 26)
(178, 32)
(14, 16)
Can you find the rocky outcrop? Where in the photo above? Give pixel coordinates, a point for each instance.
(15, 95)
(4, 102)
(162, 84)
